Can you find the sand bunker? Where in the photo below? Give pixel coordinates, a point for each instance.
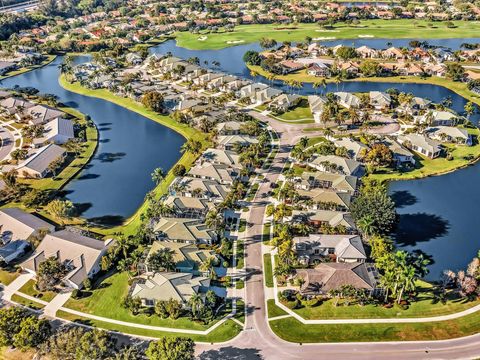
(324, 38)
(235, 41)
(202, 38)
(323, 30)
(366, 36)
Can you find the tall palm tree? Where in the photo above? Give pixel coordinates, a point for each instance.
(195, 303)
(366, 225)
(158, 175)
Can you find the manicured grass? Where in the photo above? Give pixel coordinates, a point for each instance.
(26, 302)
(266, 232)
(301, 112)
(48, 60)
(224, 332)
(106, 301)
(424, 306)
(268, 270)
(314, 140)
(387, 29)
(240, 284)
(29, 289)
(292, 330)
(131, 225)
(242, 226)
(427, 167)
(7, 276)
(274, 310)
(240, 254)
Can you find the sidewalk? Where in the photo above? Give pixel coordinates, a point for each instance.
(56, 303)
(15, 285)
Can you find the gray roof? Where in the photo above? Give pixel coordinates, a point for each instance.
(346, 246)
(41, 158)
(20, 223)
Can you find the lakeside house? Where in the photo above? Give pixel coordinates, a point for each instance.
(188, 207)
(37, 163)
(449, 134)
(202, 188)
(337, 248)
(318, 218)
(421, 144)
(57, 131)
(80, 254)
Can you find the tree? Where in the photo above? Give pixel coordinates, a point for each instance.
(33, 332)
(193, 146)
(380, 246)
(252, 58)
(158, 175)
(174, 308)
(179, 170)
(469, 109)
(61, 209)
(378, 206)
(162, 259)
(50, 273)
(455, 71)
(96, 344)
(19, 154)
(10, 320)
(346, 53)
(379, 155)
(370, 68)
(153, 100)
(167, 348)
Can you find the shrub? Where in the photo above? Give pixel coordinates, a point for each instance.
(179, 170)
(76, 294)
(295, 304)
(311, 303)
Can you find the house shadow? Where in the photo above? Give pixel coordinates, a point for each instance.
(107, 220)
(403, 198)
(232, 353)
(420, 227)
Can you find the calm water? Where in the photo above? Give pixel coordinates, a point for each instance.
(114, 183)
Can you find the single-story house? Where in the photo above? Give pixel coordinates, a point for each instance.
(228, 142)
(332, 276)
(401, 155)
(347, 100)
(438, 118)
(326, 198)
(188, 207)
(57, 131)
(336, 164)
(202, 188)
(421, 144)
(284, 102)
(222, 173)
(324, 180)
(380, 100)
(169, 285)
(218, 156)
(317, 218)
(192, 231)
(316, 106)
(39, 114)
(356, 149)
(449, 134)
(81, 255)
(37, 163)
(16, 224)
(339, 248)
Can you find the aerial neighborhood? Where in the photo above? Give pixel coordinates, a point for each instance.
(236, 179)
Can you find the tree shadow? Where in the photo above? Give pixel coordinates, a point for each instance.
(403, 198)
(88, 177)
(420, 227)
(107, 220)
(232, 353)
(104, 141)
(104, 128)
(105, 124)
(80, 208)
(110, 157)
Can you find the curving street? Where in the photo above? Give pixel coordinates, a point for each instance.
(258, 341)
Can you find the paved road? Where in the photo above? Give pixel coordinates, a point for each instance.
(6, 142)
(258, 341)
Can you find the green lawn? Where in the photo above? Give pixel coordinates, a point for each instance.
(274, 310)
(292, 330)
(242, 226)
(224, 332)
(268, 270)
(26, 302)
(240, 254)
(301, 112)
(374, 28)
(7, 276)
(266, 232)
(427, 167)
(106, 302)
(314, 140)
(29, 289)
(132, 224)
(423, 307)
(239, 284)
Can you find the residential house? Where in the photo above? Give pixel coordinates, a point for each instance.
(229, 142)
(338, 248)
(356, 149)
(326, 199)
(267, 94)
(251, 91)
(326, 277)
(57, 131)
(229, 128)
(284, 102)
(13, 105)
(39, 114)
(192, 231)
(319, 218)
(6, 66)
(438, 118)
(347, 100)
(188, 207)
(219, 172)
(319, 69)
(421, 144)
(169, 285)
(324, 180)
(337, 164)
(380, 100)
(316, 104)
(449, 134)
(289, 66)
(80, 254)
(188, 258)
(401, 155)
(217, 156)
(37, 164)
(202, 188)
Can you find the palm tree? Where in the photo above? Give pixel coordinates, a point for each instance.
(303, 142)
(195, 303)
(158, 175)
(215, 220)
(366, 225)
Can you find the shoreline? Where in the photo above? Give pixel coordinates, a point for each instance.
(50, 59)
(186, 132)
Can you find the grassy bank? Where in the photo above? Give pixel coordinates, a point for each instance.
(131, 225)
(385, 29)
(292, 330)
(224, 332)
(48, 60)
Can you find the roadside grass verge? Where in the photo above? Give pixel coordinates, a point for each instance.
(293, 330)
(240, 254)
(27, 302)
(7, 276)
(273, 310)
(224, 332)
(266, 233)
(29, 289)
(268, 270)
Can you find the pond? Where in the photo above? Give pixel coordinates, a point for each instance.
(438, 214)
(113, 185)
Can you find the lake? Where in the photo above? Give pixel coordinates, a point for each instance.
(113, 185)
